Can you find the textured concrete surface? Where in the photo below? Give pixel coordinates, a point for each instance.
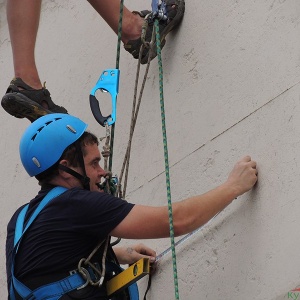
(231, 85)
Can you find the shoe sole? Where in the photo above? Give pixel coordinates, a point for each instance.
(175, 22)
(19, 106)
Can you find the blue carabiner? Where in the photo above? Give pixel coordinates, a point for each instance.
(159, 10)
(108, 82)
(154, 5)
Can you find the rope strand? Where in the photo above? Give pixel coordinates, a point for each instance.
(164, 131)
(134, 114)
(112, 131)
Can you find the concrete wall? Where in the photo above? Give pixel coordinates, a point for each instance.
(231, 78)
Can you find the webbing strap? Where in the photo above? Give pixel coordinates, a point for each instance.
(52, 290)
(56, 289)
(20, 231)
(19, 224)
(22, 290)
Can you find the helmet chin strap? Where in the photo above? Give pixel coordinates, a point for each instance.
(85, 180)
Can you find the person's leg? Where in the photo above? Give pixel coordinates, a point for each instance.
(23, 21)
(25, 96)
(132, 24)
(109, 10)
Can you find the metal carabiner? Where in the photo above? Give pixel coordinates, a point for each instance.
(108, 82)
(86, 276)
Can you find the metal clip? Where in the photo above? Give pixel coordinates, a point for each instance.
(85, 274)
(107, 133)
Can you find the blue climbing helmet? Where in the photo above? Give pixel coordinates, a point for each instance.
(45, 140)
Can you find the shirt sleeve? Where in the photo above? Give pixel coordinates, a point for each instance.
(95, 213)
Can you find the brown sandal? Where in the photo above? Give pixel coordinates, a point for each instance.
(175, 11)
(22, 101)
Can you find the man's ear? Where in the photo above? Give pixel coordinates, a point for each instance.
(63, 173)
(64, 162)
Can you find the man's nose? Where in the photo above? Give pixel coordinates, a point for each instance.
(102, 172)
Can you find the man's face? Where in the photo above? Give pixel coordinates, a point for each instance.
(92, 167)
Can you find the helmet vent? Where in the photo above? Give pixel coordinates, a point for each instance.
(40, 129)
(71, 128)
(33, 138)
(36, 162)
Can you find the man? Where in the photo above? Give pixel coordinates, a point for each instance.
(26, 97)
(58, 151)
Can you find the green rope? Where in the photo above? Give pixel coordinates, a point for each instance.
(162, 107)
(112, 132)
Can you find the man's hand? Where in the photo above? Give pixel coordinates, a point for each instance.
(243, 176)
(131, 254)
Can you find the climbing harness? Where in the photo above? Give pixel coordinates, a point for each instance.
(54, 290)
(87, 273)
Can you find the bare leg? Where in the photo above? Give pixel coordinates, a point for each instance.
(109, 10)
(26, 98)
(23, 21)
